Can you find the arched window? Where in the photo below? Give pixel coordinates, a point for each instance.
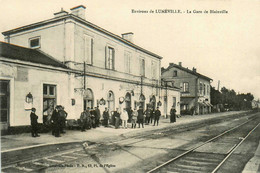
(153, 102)
(142, 101)
(111, 101)
(88, 99)
(127, 101)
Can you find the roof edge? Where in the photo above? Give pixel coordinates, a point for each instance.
(187, 70)
(52, 20)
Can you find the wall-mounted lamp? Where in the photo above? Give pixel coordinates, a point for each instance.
(102, 101)
(73, 102)
(29, 98)
(159, 103)
(121, 100)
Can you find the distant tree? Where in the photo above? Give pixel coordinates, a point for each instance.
(228, 98)
(245, 100)
(215, 96)
(234, 101)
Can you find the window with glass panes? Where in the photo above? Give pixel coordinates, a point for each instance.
(185, 86)
(34, 42)
(110, 58)
(142, 66)
(49, 100)
(127, 61)
(88, 49)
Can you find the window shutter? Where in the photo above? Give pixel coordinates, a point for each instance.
(92, 49)
(113, 60)
(130, 60)
(140, 67)
(106, 56)
(87, 49)
(125, 62)
(143, 64)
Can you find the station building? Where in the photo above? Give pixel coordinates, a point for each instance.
(93, 67)
(195, 88)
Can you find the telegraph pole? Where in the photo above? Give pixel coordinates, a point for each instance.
(218, 84)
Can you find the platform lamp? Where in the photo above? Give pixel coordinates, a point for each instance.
(29, 98)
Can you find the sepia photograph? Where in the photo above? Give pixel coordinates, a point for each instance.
(104, 86)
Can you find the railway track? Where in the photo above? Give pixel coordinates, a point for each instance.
(196, 160)
(54, 160)
(57, 159)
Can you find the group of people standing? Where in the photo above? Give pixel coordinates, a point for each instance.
(140, 117)
(90, 118)
(135, 116)
(57, 121)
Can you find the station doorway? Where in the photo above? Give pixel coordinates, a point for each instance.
(88, 99)
(4, 104)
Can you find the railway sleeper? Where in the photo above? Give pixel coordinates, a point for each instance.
(196, 168)
(181, 170)
(198, 163)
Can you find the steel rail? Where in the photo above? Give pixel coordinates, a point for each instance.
(166, 129)
(194, 148)
(15, 163)
(231, 152)
(12, 164)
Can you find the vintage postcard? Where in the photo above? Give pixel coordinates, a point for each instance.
(130, 86)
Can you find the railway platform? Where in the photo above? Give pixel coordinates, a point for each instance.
(24, 140)
(12, 143)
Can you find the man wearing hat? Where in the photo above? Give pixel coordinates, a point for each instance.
(55, 118)
(34, 123)
(157, 115)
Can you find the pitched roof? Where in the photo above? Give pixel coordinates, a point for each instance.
(84, 22)
(187, 70)
(15, 52)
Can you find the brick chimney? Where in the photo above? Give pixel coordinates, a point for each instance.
(78, 11)
(180, 64)
(128, 36)
(60, 13)
(194, 69)
(171, 64)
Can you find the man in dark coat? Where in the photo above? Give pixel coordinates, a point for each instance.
(97, 116)
(93, 117)
(89, 120)
(140, 117)
(34, 123)
(130, 113)
(83, 120)
(152, 116)
(173, 115)
(117, 118)
(157, 115)
(55, 118)
(148, 115)
(106, 117)
(63, 116)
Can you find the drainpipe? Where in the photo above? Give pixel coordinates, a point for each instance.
(166, 101)
(141, 84)
(84, 75)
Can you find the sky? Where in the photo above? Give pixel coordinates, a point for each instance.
(222, 46)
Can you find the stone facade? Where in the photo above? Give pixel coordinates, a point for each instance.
(24, 78)
(105, 70)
